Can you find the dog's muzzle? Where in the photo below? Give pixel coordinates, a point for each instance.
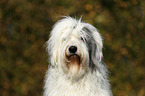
(74, 59)
(72, 55)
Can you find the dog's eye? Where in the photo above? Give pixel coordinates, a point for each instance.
(64, 39)
(82, 38)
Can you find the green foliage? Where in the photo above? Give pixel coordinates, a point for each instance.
(25, 27)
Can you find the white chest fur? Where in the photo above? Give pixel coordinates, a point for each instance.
(58, 84)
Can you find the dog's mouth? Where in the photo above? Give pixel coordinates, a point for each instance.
(74, 63)
(74, 58)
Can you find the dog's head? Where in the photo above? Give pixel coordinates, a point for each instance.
(74, 47)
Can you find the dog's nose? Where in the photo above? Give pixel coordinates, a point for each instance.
(72, 49)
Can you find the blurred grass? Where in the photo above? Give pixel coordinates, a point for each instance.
(25, 27)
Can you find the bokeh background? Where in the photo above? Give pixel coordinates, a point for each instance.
(25, 26)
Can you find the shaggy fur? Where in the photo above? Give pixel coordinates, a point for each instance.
(75, 57)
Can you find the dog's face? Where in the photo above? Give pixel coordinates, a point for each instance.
(74, 47)
(75, 51)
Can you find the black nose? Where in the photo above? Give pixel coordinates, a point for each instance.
(72, 49)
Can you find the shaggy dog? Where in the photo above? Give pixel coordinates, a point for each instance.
(76, 67)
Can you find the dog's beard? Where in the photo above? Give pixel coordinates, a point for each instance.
(74, 63)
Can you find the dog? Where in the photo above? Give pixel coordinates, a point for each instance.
(76, 67)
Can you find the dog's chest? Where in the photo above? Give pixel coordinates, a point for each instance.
(76, 89)
(61, 87)
(57, 85)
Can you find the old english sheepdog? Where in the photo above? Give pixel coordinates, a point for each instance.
(75, 57)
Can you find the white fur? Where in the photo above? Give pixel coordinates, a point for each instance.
(88, 80)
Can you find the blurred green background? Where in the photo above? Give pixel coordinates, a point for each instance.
(25, 26)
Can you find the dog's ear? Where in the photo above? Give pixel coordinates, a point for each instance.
(52, 52)
(99, 44)
(94, 42)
